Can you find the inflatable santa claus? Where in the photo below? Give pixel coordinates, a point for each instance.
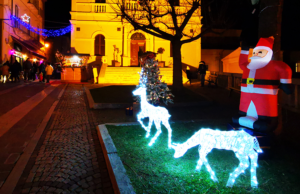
(262, 78)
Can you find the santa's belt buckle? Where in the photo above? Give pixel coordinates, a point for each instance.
(250, 80)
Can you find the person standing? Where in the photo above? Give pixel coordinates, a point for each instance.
(5, 71)
(15, 70)
(34, 70)
(42, 71)
(27, 69)
(202, 71)
(49, 71)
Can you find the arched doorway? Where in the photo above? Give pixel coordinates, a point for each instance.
(138, 45)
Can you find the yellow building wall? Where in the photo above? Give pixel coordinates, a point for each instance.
(92, 23)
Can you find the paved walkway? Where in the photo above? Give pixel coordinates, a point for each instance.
(68, 157)
(17, 128)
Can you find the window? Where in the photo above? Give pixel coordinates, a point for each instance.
(38, 35)
(138, 36)
(100, 1)
(297, 70)
(100, 45)
(28, 31)
(17, 15)
(78, 29)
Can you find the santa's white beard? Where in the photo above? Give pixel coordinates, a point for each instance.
(258, 62)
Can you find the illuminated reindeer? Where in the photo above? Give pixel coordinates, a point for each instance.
(155, 114)
(244, 146)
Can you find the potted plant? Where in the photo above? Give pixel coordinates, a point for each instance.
(115, 61)
(160, 51)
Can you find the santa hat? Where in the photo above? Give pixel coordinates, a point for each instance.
(265, 43)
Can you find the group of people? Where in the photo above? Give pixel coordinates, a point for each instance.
(30, 71)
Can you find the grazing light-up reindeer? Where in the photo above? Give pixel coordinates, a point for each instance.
(155, 114)
(244, 146)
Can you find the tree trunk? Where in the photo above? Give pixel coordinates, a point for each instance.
(270, 24)
(177, 67)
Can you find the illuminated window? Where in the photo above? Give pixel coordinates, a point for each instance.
(100, 45)
(297, 68)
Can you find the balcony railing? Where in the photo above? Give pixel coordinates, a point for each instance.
(100, 8)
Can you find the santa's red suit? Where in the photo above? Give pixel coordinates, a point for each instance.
(260, 85)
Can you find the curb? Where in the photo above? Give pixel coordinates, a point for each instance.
(120, 181)
(13, 178)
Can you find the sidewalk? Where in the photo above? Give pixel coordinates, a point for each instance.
(68, 157)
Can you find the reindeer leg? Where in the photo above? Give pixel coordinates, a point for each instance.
(140, 117)
(244, 163)
(167, 125)
(203, 151)
(149, 127)
(253, 158)
(158, 132)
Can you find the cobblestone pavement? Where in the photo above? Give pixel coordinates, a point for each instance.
(68, 157)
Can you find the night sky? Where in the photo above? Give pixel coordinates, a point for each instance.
(57, 15)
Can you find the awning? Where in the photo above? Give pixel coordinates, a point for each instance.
(30, 48)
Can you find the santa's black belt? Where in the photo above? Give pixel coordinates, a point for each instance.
(260, 81)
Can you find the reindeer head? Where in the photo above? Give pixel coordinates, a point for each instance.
(139, 91)
(180, 150)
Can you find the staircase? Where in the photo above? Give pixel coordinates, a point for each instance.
(130, 76)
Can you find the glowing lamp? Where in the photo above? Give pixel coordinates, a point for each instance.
(24, 56)
(157, 115)
(34, 60)
(47, 45)
(241, 143)
(76, 58)
(12, 52)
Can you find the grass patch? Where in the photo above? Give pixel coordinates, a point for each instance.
(123, 94)
(155, 170)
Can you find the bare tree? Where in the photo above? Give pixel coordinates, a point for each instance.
(178, 21)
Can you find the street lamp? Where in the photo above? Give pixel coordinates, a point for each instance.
(46, 45)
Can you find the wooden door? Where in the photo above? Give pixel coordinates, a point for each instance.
(136, 45)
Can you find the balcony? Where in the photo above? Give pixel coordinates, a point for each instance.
(99, 8)
(33, 5)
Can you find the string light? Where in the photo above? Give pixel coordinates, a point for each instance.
(43, 32)
(157, 115)
(240, 142)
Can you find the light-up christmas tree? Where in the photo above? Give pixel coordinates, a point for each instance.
(157, 91)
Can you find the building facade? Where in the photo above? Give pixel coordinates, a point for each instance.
(99, 32)
(17, 42)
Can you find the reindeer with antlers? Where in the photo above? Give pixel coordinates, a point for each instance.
(157, 115)
(244, 146)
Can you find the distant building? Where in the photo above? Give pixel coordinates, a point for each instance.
(17, 42)
(101, 34)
